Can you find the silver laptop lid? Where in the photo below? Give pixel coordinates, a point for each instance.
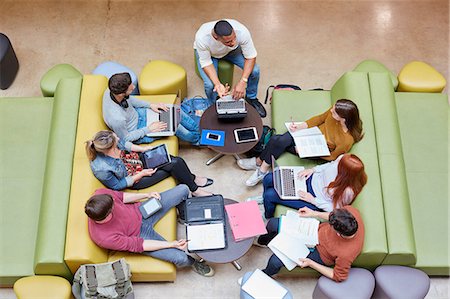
(276, 177)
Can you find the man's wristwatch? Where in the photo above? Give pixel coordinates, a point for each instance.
(245, 80)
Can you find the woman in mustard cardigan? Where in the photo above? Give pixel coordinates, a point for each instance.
(340, 125)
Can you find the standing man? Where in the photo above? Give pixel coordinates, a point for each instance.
(231, 41)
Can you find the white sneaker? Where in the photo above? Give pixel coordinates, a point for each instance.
(258, 198)
(255, 178)
(247, 164)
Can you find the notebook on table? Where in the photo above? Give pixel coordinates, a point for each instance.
(286, 181)
(245, 220)
(205, 223)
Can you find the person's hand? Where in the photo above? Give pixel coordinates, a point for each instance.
(306, 262)
(306, 212)
(147, 148)
(158, 107)
(148, 172)
(305, 174)
(157, 126)
(293, 127)
(305, 196)
(179, 244)
(239, 90)
(154, 195)
(221, 89)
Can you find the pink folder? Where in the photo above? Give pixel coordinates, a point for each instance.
(245, 220)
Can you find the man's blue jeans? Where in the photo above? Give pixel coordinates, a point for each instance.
(237, 58)
(142, 122)
(169, 199)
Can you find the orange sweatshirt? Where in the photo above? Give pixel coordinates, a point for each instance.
(338, 251)
(339, 142)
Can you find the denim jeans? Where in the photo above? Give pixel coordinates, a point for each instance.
(271, 197)
(169, 199)
(275, 264)
(237, 58)
(142, 122)
(188, 129)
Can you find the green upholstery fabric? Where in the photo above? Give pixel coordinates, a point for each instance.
(397, 212)
(424, 129)
(370, 65)
(25, 123)
(354, 86)
(51, 78)
(51, 237)
(225, 71)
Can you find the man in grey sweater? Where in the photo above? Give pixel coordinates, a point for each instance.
(127, 116)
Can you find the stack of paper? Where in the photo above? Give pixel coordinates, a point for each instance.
(206, 236)
(296, 235)
(245, 220)
(259, 285)
(309, 142)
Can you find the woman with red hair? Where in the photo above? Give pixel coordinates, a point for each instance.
(329, 186)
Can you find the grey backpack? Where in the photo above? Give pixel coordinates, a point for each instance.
(103, 281)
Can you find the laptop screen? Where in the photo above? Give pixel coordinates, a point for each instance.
(276, 176)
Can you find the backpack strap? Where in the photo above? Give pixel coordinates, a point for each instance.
(91, 280)
(267, 93)
(119, 273)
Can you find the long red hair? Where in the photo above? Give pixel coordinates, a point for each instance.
(350, 174)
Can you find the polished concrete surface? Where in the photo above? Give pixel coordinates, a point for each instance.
(308, 43)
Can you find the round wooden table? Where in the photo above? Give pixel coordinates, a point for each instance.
(210, 121)
(233, 251)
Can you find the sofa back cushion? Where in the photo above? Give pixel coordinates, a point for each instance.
(397, 211)
(49, 257)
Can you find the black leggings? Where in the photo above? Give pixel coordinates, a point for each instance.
(277, 145)
(177, 168)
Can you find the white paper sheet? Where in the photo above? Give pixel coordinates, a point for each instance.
(260, 285)
(206, 236)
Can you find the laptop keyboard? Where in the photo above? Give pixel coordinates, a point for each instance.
(230, 105)
(288, 182)
(164, 116)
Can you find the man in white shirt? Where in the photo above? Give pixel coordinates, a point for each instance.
(231, 41)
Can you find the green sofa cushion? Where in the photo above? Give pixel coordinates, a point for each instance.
(370, 65)
(25, 123)
(397, 211)
(424, 129)
(49, 258)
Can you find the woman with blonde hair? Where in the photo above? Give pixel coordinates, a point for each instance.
(332, 185)
(118, 169)
(340, 125)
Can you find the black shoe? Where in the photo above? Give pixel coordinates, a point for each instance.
(209, 182)
(258, 106)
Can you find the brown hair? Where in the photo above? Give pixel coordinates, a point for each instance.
(102, 141)
(349, 111)
(99, 206)
(351, 174)
(119, 83)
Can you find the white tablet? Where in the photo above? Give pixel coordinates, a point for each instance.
(246, 135)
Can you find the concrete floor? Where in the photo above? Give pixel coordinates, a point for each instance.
(308, 43)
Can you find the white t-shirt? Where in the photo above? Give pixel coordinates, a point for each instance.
(207, 46)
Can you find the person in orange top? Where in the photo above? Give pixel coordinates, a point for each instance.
(340, 242)
(340, 125)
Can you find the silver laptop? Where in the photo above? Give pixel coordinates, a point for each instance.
(226, 105)
(171, 117)
(286, 181)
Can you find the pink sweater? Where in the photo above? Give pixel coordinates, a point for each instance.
(121, 233)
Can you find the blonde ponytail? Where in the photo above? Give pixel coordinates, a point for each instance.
(102, 141)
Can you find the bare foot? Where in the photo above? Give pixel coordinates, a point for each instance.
(200, 180)
(201, 192)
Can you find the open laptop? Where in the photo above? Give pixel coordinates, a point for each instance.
(286, 181)
(226, 107)
(171, 117)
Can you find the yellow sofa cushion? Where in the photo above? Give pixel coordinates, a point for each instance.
(42, 286)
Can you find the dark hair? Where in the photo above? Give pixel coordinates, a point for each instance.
(119, 83)
(343, 222)
(98, 207)
(223, 28)
(349, 111)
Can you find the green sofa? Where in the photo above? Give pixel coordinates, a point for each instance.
(405, 202)
(37, 143)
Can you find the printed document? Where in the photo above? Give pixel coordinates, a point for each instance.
(303, 228)
(288, 249)
(206, 236)
(310, 142)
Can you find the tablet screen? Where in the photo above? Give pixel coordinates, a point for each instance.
(151, 205)
(247, 134)
(157, 156)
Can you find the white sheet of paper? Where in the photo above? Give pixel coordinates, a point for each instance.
(206, 236)
(290, 247)
(287, 262)
(300, 227)
(260, 285)
(311, 146)
(303, 132)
